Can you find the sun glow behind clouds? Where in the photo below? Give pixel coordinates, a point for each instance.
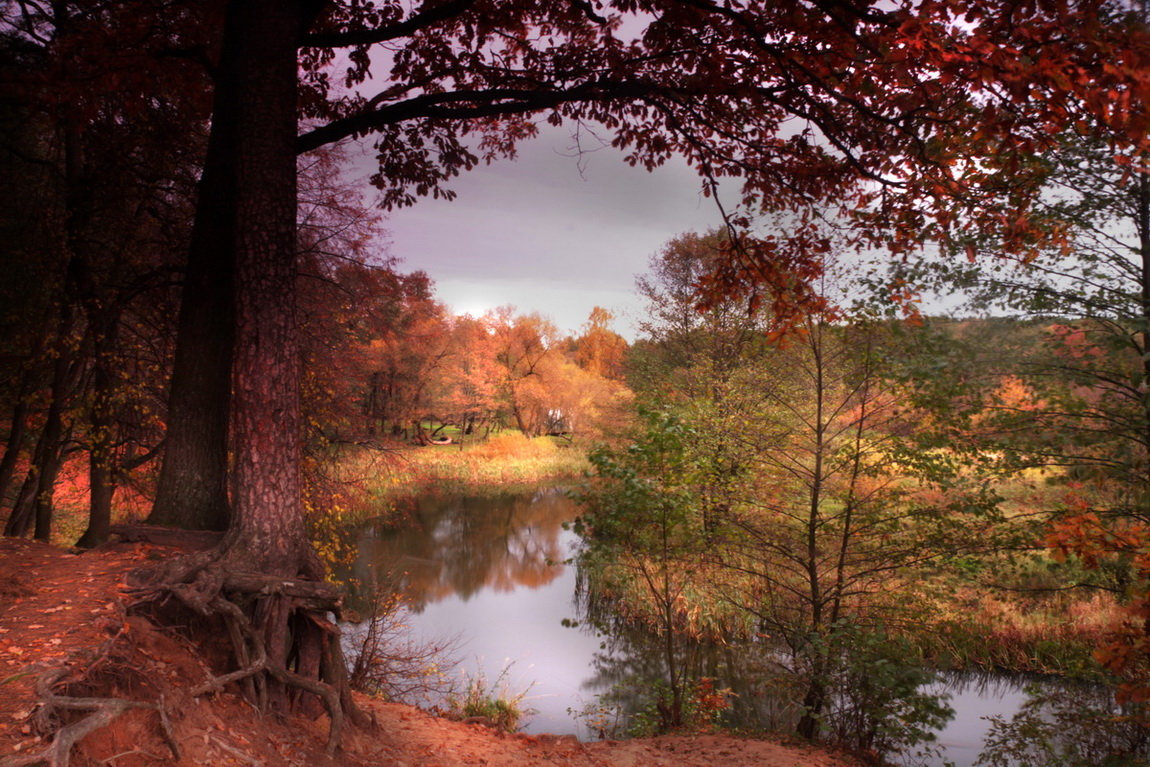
(566, 304)
(551, 232)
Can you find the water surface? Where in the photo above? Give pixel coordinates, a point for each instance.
(490, 572)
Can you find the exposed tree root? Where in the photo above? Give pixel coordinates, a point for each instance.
(189, 540)
(281, 638)
(258, 663)
(103, 712)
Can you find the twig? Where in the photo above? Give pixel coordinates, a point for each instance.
(238, 754)
(134, 752)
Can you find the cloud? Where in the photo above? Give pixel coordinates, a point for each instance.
(551, 229)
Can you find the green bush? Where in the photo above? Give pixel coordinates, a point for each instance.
(880, 706)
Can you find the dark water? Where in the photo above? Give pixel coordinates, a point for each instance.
(491, 572)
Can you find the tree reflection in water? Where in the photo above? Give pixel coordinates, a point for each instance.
(457, 546)
(629, 669)
(489, 571)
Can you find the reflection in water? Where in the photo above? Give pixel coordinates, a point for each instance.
(630, 663)
(489, 571)
(975, 696)
(458, 546)
(1050, 722)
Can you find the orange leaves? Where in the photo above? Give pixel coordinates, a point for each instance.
(775, 273)
(1126, 652)
(1076, 535)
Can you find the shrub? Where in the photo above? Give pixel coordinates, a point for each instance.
(880, 706)
(492, 704)
(384, 660)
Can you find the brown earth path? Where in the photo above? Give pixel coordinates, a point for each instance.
(63, 610)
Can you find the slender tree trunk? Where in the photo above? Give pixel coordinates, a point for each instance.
(47, 472)
(851, 504)
(1144, 253)
(49, 453)
(101, 456)
(815, 698)
(15, 442)
(674, 675)
(67, 366)
(19, 421)
(20, 519)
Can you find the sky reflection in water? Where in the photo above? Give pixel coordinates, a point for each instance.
(490, 571)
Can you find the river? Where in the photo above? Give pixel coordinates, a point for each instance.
(489, 573)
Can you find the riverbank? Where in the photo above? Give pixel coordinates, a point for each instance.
(66, 611)
(495, 464)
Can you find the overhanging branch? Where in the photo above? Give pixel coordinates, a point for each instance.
(425, 18)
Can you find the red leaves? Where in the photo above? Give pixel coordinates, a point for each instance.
(1126, 652)
(776, 273)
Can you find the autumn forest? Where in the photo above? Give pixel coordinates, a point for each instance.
(889, 422)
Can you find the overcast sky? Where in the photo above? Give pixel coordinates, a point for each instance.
(550, 232)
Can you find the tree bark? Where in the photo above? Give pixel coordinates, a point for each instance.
(192, 491)
(16, 432)
(266, 414)
(49, 452)
(102, 451)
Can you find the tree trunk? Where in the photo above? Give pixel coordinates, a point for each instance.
(1143, 223)
(102, 451)
(48, 459)
(267, 532)
(192, 491)
(20, 520)
(266, 425)
(16, 432)
(813, 703)
(262, 578)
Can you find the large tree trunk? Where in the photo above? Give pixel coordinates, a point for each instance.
(192, 491)
(263, 579)
(269, 521)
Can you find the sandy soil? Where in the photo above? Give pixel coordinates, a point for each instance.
(66, 611)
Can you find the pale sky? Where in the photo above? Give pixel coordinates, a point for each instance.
(550, 232)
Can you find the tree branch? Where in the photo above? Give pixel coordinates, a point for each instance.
(425, 18)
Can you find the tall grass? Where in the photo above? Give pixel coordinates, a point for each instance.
(990, 631)
(492, 704)
(501, 462)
